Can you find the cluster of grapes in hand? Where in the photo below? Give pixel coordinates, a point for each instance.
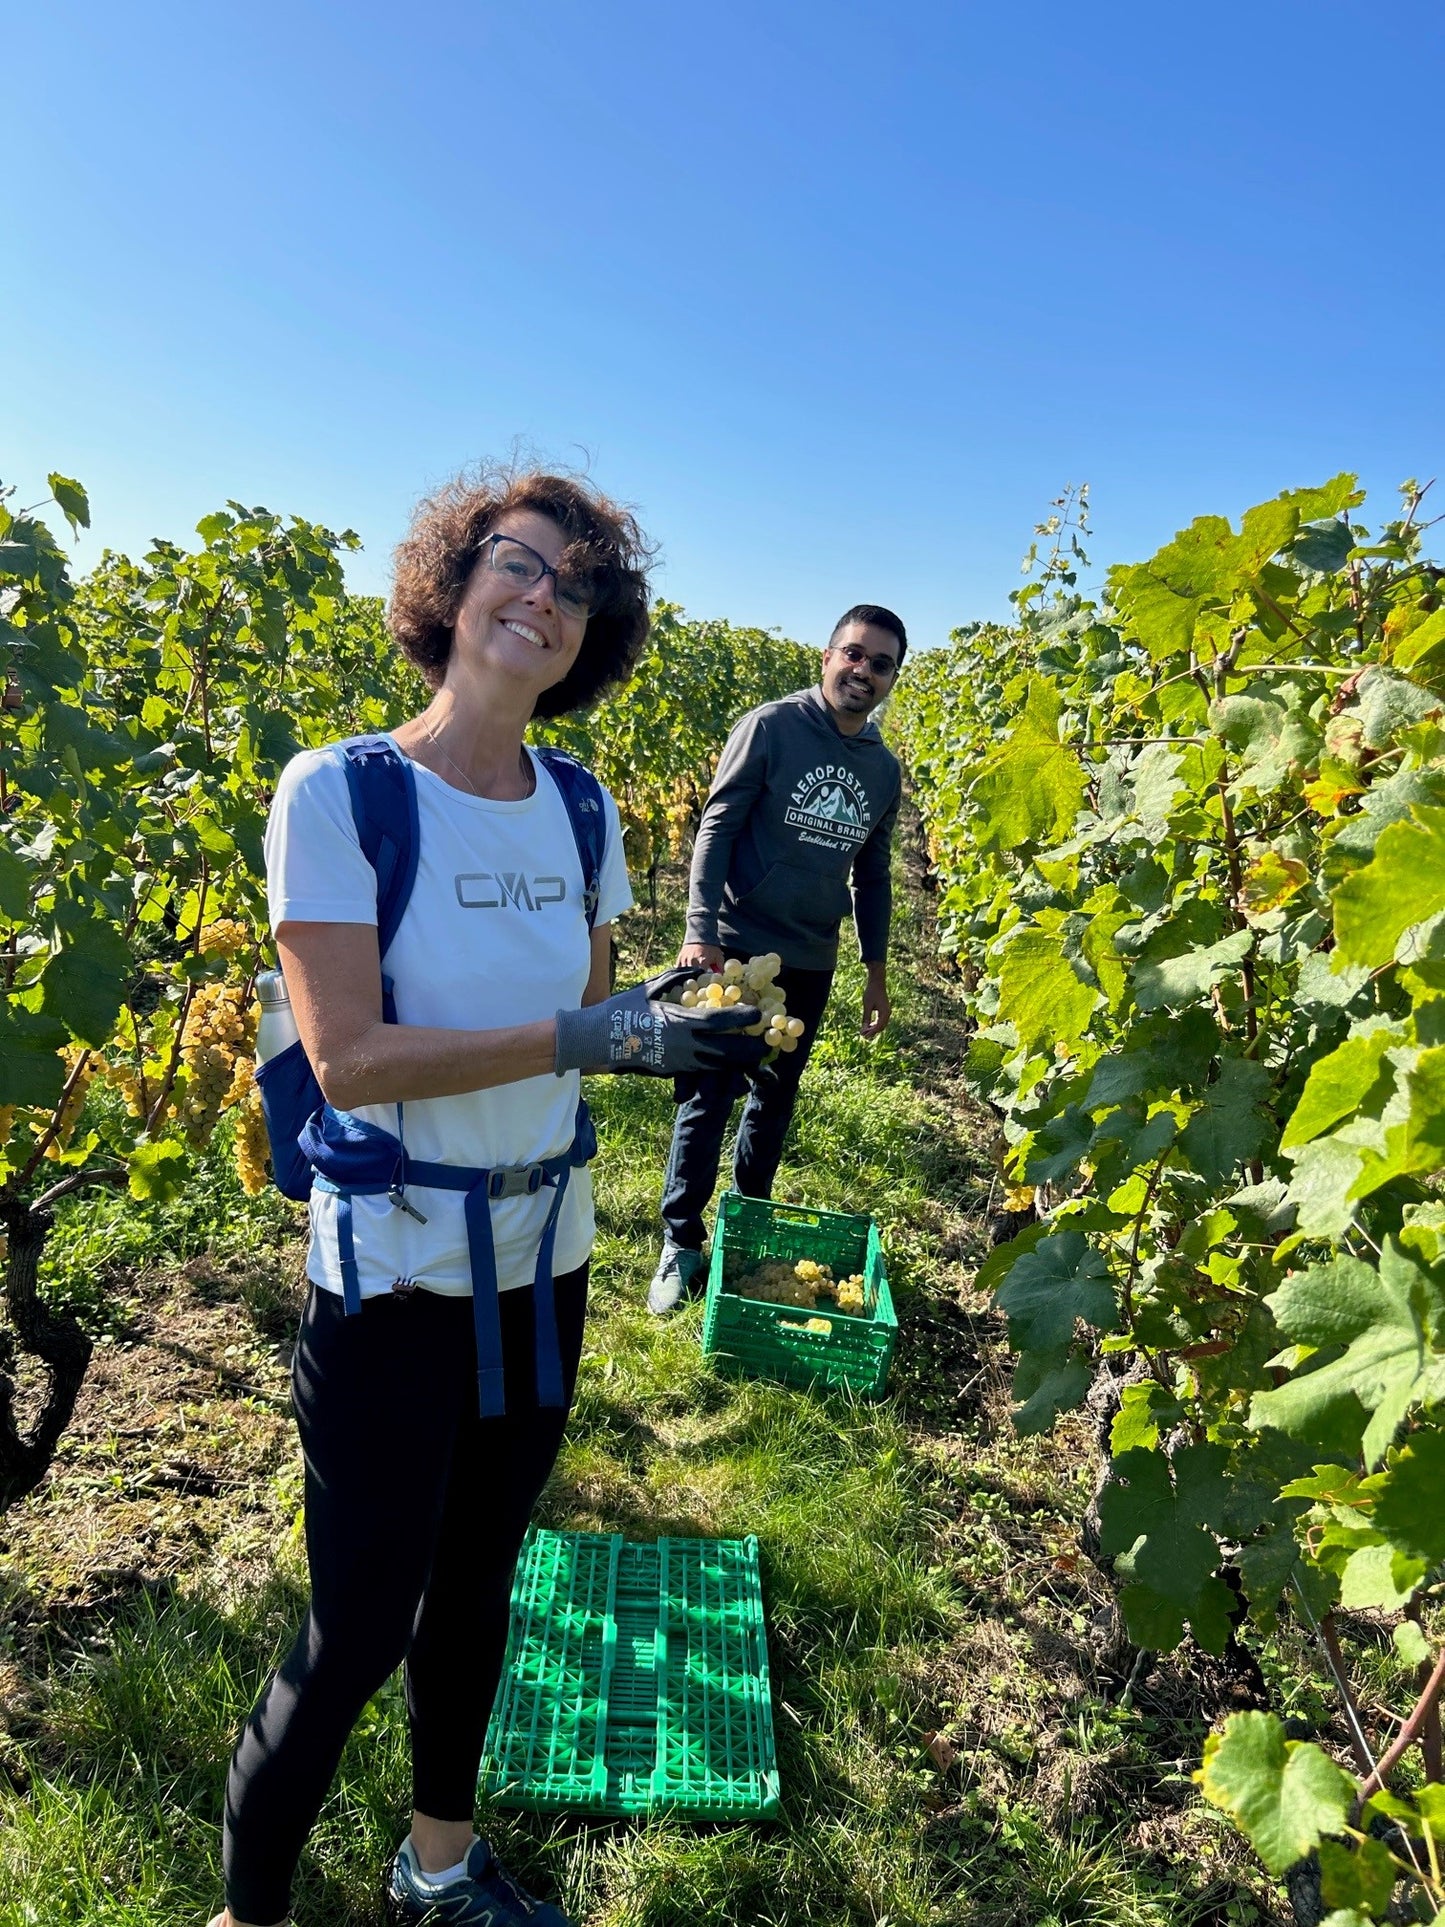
(751, 983)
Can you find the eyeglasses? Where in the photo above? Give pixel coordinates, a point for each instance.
(521, 566)
(882, 666)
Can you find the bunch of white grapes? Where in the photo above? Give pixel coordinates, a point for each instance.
(778, 1284)
(754, 984)
(81, 1066)
(251, 1146)
(219, 1032)
(802, 1285)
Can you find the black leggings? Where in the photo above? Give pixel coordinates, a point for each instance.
(415, 1511)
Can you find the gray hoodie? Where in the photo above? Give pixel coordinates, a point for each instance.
(794, 808)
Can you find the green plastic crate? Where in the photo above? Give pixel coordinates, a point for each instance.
(636, 1681)
(774, 1341)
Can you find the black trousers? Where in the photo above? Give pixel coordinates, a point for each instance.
(416, 1507)
(705, 1104)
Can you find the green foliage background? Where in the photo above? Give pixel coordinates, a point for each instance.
(1192, 847)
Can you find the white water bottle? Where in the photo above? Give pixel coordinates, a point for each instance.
(276, 1028)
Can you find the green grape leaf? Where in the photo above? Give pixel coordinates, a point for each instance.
(1058, 1146)
(84, 984)
(1401, 886)
(14, 886)
(71, 500)
(1123, 1141)
(1267, 1565)
(1157, 615)
(1183, 1045)
(1376, 1579)
(1408, 1509)
(1389, 1362)
(1325, 1173)
(158, 1170)
(31, 1071)
(983, 1068)
(1229, 1127)
(1329, 1304)
(1142, 1410)
(1186, 978)
(1423, 640)
(1154, 1623)
(1322, 547)
(1339, 1083)
(1332, 498)
(1140, 1504)
(1389, 704)
(1002, 1259)
(1285, 1795)
(1389, 800)
(1118, 1077)
(1411, 1644)
(1271, 880)
(1265, 530)
(1047, 1383)
(1104, 960)
(1363, 1876)
(1156, 782)
(1211, 1616)
(1263, 1210)
(1040, 992)
(1059, 1281)
(1157, 1622)
(1030, 788)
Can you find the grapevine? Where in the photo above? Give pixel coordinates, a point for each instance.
(149, 711)
(1186, 842)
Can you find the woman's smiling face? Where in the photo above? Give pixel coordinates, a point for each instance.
(518, 632)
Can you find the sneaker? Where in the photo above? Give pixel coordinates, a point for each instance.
(678, 1274)
(485, 1896)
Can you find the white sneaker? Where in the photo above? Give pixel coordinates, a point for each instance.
(676, 1278)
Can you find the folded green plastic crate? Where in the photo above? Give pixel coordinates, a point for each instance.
(783, 1341)
(636, 1681)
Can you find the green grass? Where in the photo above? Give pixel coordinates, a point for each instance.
(915, 1569)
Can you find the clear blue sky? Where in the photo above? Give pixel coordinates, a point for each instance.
(838, 297)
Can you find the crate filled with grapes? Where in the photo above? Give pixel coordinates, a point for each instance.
(799, 1295)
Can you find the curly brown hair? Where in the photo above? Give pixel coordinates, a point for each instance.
(435, 560)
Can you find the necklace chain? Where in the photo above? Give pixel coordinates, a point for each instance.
(442, 752)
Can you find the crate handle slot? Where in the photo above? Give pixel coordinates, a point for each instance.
(806, 1324)
(782, 1214)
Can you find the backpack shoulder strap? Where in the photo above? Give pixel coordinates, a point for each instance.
(383, 805)
(582, 793)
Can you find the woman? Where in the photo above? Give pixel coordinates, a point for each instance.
(514, 596)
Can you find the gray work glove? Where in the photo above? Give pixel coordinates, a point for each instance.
(637, 1031)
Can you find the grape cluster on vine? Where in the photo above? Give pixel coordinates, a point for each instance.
(219, 1031)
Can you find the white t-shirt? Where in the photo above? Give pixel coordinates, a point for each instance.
(494, 934)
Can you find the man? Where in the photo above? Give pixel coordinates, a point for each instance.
(805, 794)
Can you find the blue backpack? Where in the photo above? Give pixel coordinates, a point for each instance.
(313, 1145)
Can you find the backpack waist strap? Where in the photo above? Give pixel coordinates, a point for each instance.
(372, 1163)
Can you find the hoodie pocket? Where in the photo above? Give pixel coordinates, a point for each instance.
(791, 897)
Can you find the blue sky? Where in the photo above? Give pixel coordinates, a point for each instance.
(837, 297)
